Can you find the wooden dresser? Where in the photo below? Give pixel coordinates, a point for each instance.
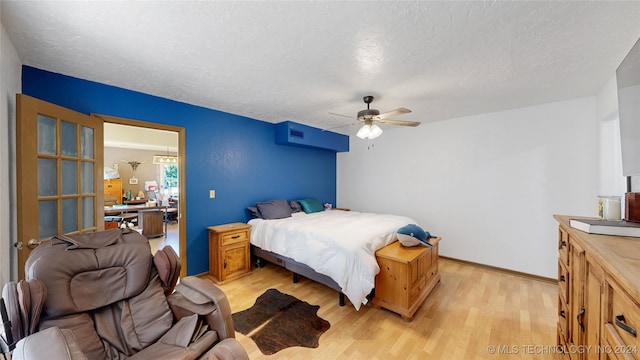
(113, 187)
(229, 255)
(599, 294)
(407, 275)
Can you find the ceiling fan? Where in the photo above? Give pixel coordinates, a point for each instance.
(370, 130)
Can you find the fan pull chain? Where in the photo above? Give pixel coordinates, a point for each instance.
(370, 145)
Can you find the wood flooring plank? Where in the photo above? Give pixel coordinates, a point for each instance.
(471, 309)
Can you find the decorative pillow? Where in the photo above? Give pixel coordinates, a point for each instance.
(295, 206)
(413, 235)
(255, 214)
(274, 209)
(311, 205)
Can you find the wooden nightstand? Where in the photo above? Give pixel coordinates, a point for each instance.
(407, 275)
(229, 256)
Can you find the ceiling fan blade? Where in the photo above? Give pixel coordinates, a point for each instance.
(339, 126)
(395, 112)
(399, 122)
(350, 117)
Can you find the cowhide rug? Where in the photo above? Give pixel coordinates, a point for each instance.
(277, 321)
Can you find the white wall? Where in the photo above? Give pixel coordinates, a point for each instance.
(488, 184)
(145, 172)
(10, 80)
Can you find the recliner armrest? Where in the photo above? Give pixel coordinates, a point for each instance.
(197, 296)
(53, 343)
(227, 349)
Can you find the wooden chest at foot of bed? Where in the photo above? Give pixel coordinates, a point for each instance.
(407, 275)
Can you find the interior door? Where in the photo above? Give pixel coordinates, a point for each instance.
(59, 157)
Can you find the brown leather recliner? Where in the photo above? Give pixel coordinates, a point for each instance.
(104, 296)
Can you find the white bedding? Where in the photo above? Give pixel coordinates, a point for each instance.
(339, 244)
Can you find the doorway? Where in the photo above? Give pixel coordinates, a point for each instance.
(138, 166)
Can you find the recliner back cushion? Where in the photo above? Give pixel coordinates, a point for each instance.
(131, 325)
(81, 276)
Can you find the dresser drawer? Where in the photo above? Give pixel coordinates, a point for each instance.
(623, 321)
(563, 246)
(614, 347)
(234, 237)
(563, 282)
(563, 320)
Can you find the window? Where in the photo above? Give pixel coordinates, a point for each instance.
(169, 178)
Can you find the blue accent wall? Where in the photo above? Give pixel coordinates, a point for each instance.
(234, 155)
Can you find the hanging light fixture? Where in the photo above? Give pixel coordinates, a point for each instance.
(165, 159)
(369, 130)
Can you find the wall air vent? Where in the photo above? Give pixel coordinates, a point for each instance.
(296, 133)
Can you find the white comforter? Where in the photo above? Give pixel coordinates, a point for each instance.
(339, 244)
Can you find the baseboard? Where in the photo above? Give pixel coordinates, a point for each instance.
(202, 275)
(502, 270)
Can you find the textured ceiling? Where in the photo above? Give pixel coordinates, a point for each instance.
(298, 61)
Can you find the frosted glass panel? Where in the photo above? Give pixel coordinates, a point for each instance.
(86, 142)
(87, 178)
(69, 139)
(69, 177)
(46, 135)
(47, 177)
(47, 219)
(69, 215)
(87, 212)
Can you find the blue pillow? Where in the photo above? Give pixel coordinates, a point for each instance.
(413, 235)
(253, 211)
(311, 205)
(274, 209)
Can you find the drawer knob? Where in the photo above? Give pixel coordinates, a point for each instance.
(622, 325)
(563, 243)
(562, 314)
(235, 236)
(561, 277)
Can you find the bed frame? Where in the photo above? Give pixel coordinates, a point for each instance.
(296, 268)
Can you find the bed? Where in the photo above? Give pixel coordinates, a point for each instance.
(336, 248)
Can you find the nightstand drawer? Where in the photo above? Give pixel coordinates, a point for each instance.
(234, 237)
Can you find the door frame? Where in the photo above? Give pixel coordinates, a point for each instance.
(182, 189)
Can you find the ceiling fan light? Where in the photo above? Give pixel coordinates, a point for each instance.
(368, 131)
(375, 131)
(364, 132)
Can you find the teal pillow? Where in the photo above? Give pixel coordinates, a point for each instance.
(311, 205)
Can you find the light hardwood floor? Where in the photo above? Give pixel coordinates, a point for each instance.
(472, 311)
(172, 238)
